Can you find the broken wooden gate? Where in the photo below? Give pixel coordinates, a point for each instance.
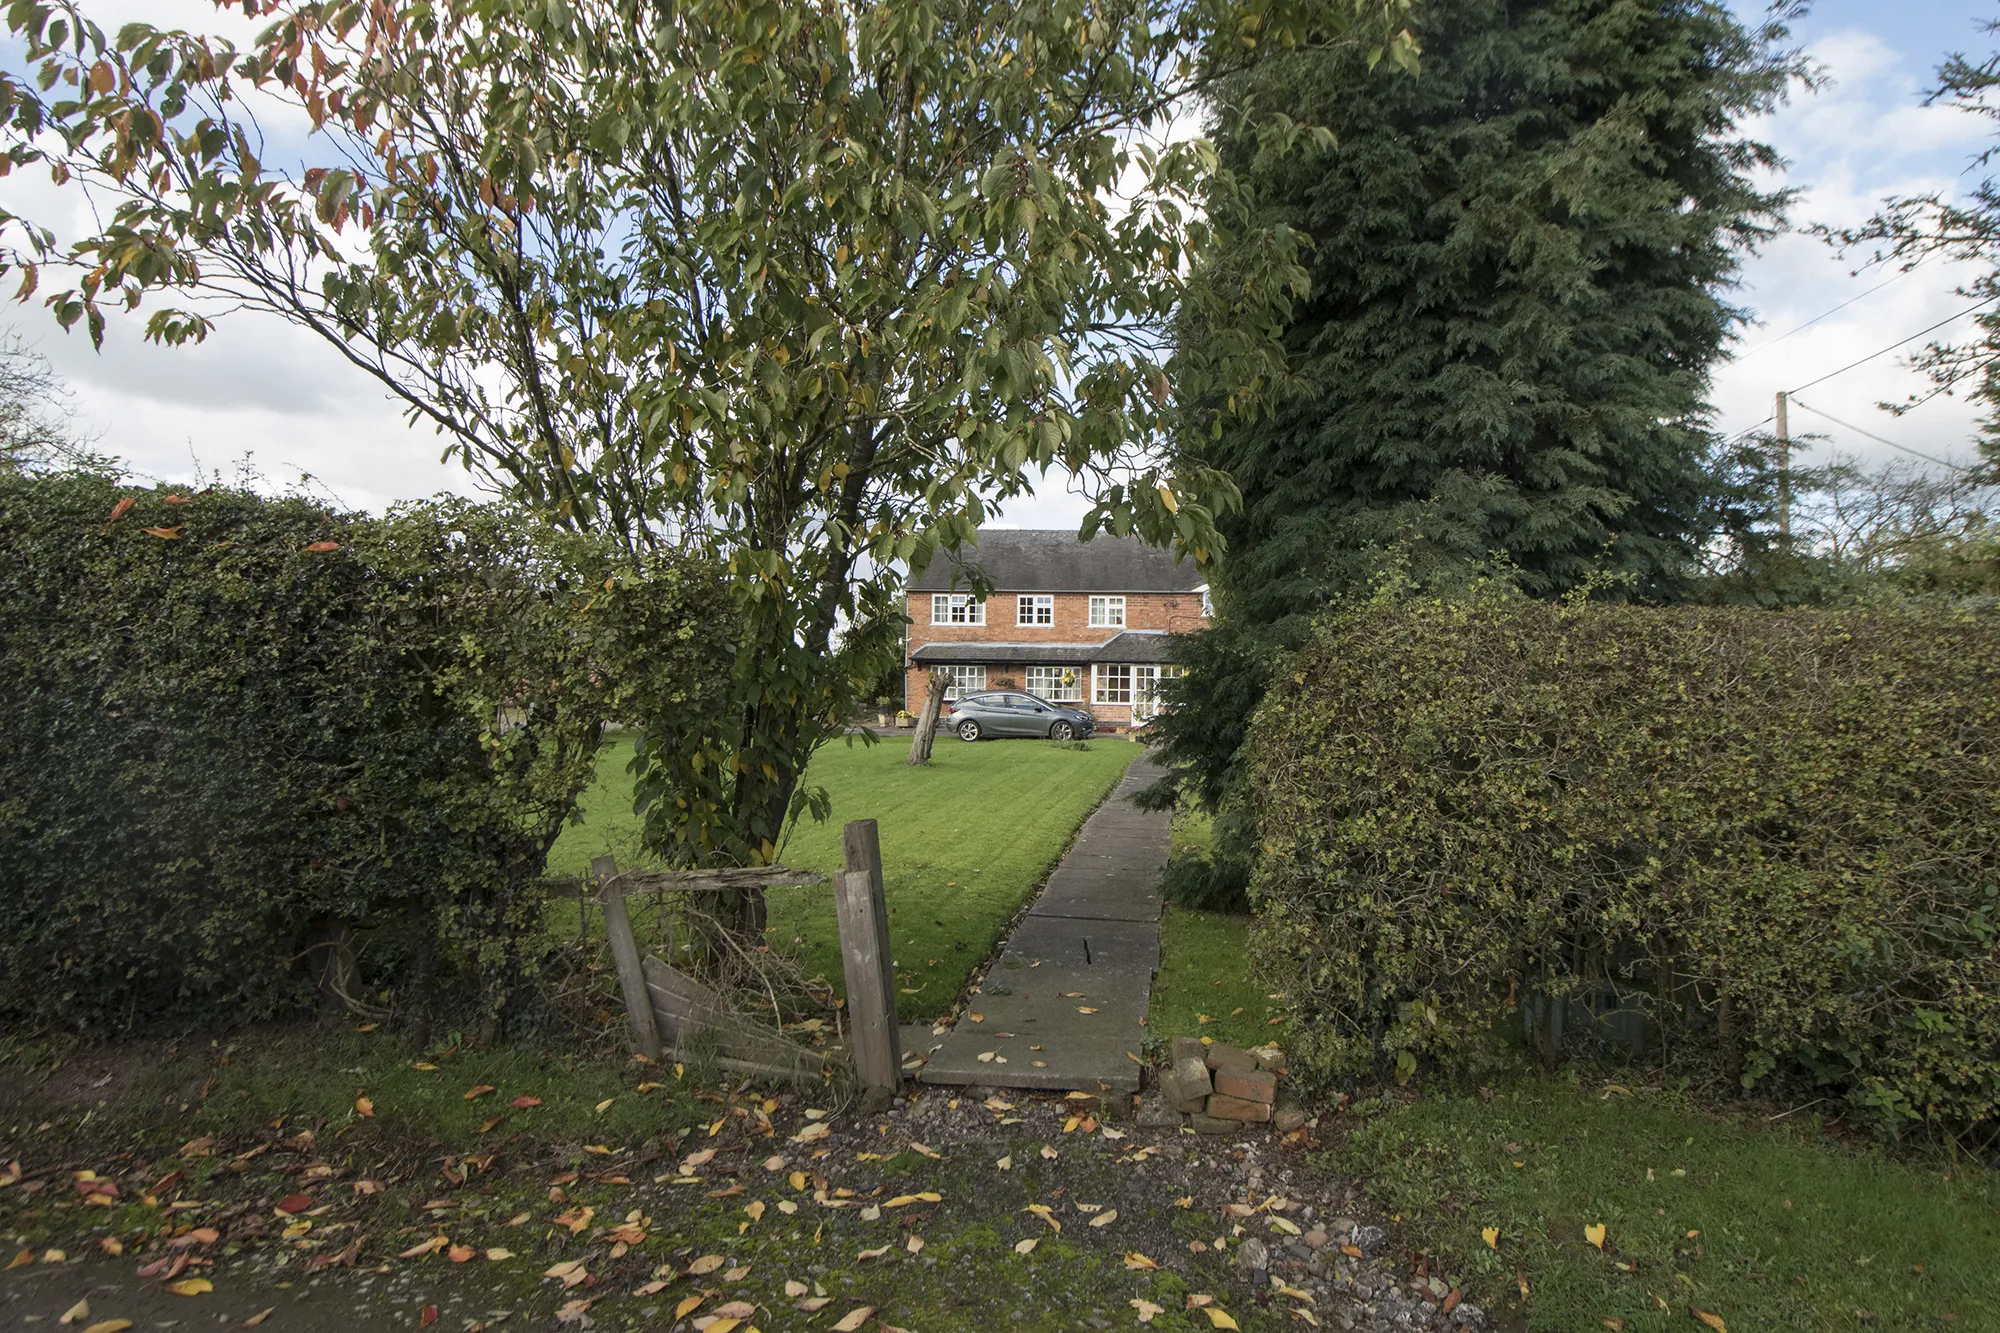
(668, 1008)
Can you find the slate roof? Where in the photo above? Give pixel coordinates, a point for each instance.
(1131, 646)
(1053, 560)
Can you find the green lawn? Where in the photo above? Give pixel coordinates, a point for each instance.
(1204, 988)
(1769, 1226)
(964, 844)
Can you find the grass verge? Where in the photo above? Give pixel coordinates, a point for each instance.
(965, 842)
(1764, 1226)
(1204, 987)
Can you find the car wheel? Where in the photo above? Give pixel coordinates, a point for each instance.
(1062, 731)
(968, 730)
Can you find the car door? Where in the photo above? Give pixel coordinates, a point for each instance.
(1026, 715)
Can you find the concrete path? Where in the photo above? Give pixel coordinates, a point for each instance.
(1065, 1004)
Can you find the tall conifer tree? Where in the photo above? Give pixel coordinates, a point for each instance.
(1520, 282)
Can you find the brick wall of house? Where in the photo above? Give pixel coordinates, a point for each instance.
(1173, 612)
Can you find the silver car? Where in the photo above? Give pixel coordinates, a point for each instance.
(1015, 713)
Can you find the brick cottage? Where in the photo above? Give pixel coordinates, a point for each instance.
(1073, 622)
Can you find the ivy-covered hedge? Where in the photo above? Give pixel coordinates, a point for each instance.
(1768, 842)
(242, 737)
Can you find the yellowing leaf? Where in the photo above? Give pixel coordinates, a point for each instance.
(1491, 1235)
(364, 1106)
(708, 1263)
(191, 1286)
(875, 1253)
(1146, 1309)
(475, 1093)
(605, 1105)
(75, 1314)
(854, 1319)
(905, 1200)
(914, 1244)
(1594, 1233)
(1105, 1219)
(812, 1133)
(1219, 1317)
(1026, 1246)
(1712, 1319)
(118, 1326)
(498, 1252)
(1138, 1262)
(687, 1305)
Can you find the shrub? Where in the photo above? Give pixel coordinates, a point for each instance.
(1206, 883)
(1766, 835)
(238, 734)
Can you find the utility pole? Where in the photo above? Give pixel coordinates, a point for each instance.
(1784, 471)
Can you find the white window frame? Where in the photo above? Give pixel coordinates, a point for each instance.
(1107, 613)
(1207, 601)
(957, 608)
(1047, 683)
(1111, 683)
(964, 680)
(1031, 609)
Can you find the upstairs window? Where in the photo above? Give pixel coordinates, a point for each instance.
(1207, 601)
(1107, 613)
(957, 608)
(1034, 610)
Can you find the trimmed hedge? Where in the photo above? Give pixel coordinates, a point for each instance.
(1768, 840)
(239, 735)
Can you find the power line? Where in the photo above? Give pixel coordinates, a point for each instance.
(1894, 345)
(1915, 453)
(1741, 433)
(1758, 351)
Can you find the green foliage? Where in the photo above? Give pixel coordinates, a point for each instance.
(1762, 835)
(1520, 274)
(236, 733)
(810, 286)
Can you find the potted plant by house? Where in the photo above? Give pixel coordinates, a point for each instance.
(882, 710)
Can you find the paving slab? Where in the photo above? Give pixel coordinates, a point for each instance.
(1064, 1005)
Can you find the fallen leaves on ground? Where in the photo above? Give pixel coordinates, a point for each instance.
(364, 1106)
(1594, 1233)
(1146, 1309)
(191, 1286)
(76, 1314)
(109, 1326)
(1139, 1263)
(1491, 1235)
(1026, 1246)
(854, 1319)
(479, 1090)
(705, 1265)
(524, 1103)
(1712, 1319)
(258, 1318)
(1105, 1219)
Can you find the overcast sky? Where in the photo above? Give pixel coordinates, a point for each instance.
(262, 391)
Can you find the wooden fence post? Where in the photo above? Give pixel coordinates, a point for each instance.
(870, 970)
(625, 953)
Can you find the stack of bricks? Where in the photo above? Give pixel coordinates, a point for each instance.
(1225, 1083)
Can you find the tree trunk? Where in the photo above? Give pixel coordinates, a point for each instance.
(920, 744)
